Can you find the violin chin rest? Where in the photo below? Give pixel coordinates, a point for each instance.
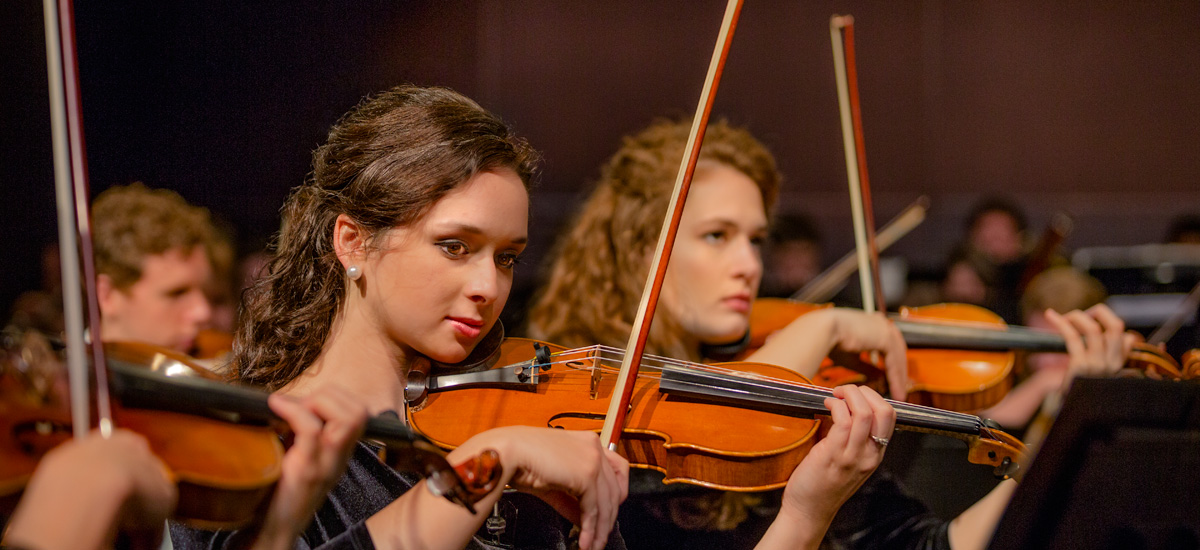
(727, 351)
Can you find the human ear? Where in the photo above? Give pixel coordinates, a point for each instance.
(106, 294)
(349, 241)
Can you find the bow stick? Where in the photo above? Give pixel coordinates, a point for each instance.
(75, 242)
(830, 281)
(614, 420)
(841, 31)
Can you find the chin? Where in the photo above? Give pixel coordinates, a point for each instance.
(449, 354)
(725, 333)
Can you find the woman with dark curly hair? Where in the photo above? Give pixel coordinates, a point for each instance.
(399, 249)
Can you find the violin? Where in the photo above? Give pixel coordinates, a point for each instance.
(730, 426)
(221, 442)
(960, 356)
(212, 344)
(1191, 364)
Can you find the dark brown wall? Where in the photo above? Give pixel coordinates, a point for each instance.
(1088, 107)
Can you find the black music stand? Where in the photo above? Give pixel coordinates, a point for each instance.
(1119, 469)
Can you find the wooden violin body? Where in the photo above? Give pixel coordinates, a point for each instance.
(734, 426)
(952, 379)
(220, 442)
(960, 356)
(956, 379)
(757, 450)
(223, 471)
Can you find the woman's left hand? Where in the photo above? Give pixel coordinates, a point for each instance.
(325, 424)
(1096, 341)
(858, 331)
(848, 453)
(834, 469)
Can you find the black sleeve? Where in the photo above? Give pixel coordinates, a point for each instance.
(188, 538)
(881, 515)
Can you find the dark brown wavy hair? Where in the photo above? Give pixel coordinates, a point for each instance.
(599, 267)
(384, 165)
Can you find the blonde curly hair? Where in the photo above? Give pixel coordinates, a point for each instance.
(599, 266)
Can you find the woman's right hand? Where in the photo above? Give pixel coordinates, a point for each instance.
(570, 470)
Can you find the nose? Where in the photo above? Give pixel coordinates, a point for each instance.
(483, 287)
(201, 310)
(747, 261)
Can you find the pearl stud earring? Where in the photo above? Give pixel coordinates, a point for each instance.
(354, 272)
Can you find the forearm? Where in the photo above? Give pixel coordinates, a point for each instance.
(793, 531)
(419, 520)
(802, 345)
(973, 528)
(1019, 406)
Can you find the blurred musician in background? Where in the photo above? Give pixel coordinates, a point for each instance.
(155, 263)
(1050, 303)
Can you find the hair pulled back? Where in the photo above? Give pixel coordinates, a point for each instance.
(608, 250)
(384, 165)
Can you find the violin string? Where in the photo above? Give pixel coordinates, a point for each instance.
(823, 392)
(813, 395)
(820, 391)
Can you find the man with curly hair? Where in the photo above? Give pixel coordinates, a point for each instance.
(155, 257)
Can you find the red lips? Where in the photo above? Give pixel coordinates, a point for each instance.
(466, 326)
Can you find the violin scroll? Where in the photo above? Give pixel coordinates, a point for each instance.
(469, 481)
(1000, 450)
(1191, 364)
(464, 484)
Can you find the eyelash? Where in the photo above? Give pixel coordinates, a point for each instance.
(447, 245)
(515, 259)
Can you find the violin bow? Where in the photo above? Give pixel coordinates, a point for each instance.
(614, 420)
(825, 285)
(74, 227)
(841, 32)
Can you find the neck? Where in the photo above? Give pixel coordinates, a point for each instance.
(361, 359)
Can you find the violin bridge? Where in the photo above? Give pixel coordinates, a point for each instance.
(595, 386)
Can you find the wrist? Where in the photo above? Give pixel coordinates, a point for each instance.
(794, 528)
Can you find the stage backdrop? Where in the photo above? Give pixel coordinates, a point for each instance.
(1086, 107)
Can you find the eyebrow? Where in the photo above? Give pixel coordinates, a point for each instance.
(474, 230)
(726, 222)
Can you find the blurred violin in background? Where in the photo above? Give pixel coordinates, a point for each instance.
(960, 356)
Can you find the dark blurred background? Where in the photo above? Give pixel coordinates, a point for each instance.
(1088, 107)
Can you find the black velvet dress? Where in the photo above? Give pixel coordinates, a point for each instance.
(881, 515)
(369, 485)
